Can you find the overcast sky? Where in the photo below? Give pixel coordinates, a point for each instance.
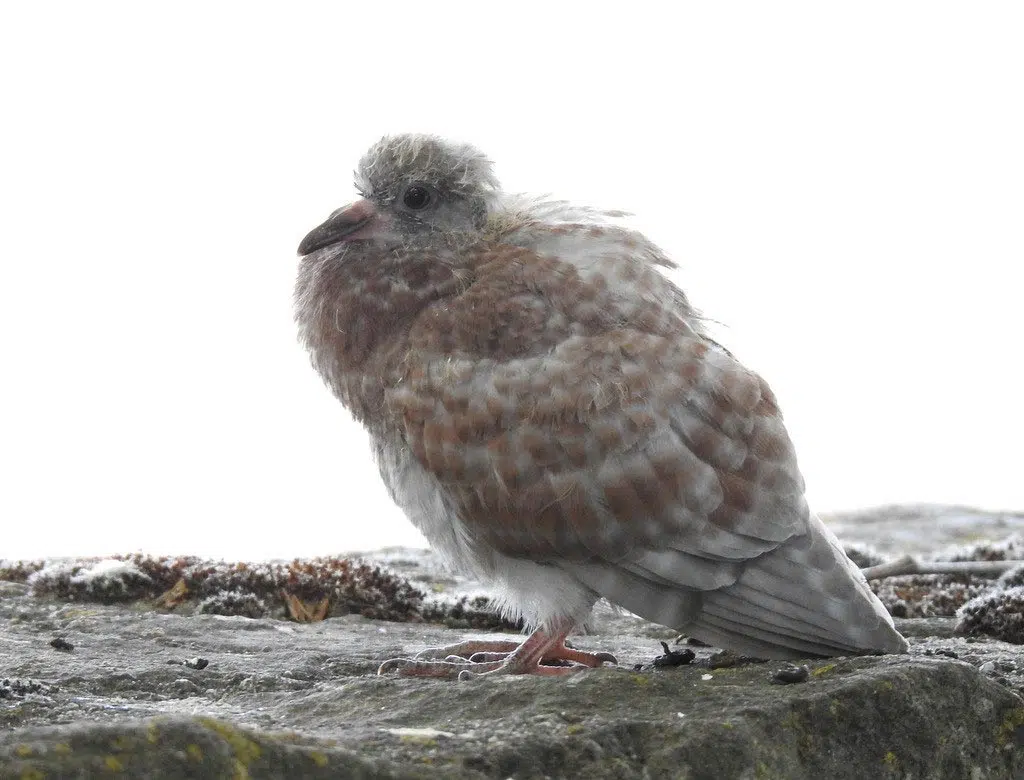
(842, 184)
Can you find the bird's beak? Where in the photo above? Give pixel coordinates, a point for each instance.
(354, 222)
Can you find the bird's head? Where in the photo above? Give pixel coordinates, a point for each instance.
(415, 188)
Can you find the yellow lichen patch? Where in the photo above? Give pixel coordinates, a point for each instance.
(81, 612)
(62, 749)
(23, 750)
(31, 774)
(641, 679)
(574, 728)
(195, 753)
(152, 735)
(421, 741)
(113, 763)
(890, 759)
(122, 744)
(1008, 728)
(825, 669)
(246, 750)
(318, 758)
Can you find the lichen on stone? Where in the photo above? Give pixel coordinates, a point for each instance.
(942, 595)
(255, 590)
(233, 602)
(19, 571)
(928, 595)
(998, 613)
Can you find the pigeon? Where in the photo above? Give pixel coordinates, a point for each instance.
(546, 406)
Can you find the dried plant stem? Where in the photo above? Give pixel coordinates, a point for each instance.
(910, 565)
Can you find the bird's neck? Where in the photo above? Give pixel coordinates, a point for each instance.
(354, 309)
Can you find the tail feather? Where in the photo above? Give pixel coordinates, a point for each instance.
(747, 639)
(804, 596)
(727, 636)
(726, 606)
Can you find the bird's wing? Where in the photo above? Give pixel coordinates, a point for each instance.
(606, 447)
(652, 466)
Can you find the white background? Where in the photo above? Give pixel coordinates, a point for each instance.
(843, 185)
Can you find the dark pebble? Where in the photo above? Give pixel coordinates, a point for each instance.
(674, 657)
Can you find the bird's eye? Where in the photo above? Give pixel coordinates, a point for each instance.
(416, 197)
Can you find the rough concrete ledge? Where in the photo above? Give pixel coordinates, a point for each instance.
(901, 717)
(132, 689)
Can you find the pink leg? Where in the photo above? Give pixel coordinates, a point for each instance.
(541, 653)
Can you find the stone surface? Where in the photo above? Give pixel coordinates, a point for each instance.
(283, 699)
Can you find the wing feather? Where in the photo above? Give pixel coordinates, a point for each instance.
(623, 447)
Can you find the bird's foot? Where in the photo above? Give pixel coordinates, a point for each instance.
(541, 653)
(466, 651)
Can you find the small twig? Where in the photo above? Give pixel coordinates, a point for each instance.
(910, 565)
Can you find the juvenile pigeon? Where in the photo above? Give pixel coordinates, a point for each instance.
(545, 406)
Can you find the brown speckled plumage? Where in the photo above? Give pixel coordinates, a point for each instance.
(545, 406)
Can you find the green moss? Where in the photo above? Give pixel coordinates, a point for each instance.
(574, 728)
(801, 729)
(822, 670)
(764, 772)
(195, 753)
(318, 758)
(23, 751)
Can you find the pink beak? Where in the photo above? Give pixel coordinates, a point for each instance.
(355, 222)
